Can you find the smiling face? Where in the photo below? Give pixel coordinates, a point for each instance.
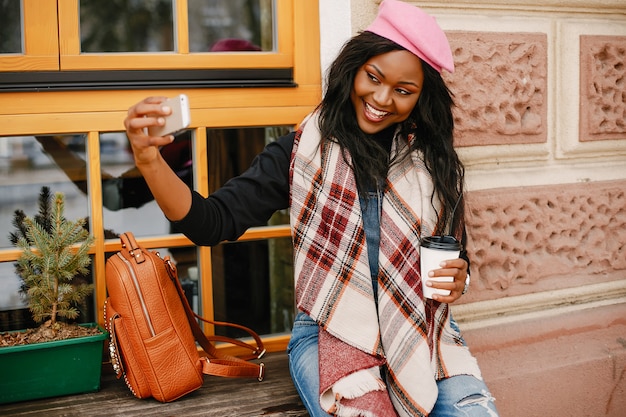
(386, 89)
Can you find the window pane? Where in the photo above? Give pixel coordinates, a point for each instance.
(27, 164)
(230, 25)
(231, 151)
(252, 281)
(14, 313)
(253, 286)
(186, 260)
(126, 26)
(10, 27)
(127, 200)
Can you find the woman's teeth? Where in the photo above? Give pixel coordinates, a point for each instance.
(378, 114)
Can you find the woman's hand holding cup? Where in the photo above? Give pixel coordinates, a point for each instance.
(456, 268)
(443, 272)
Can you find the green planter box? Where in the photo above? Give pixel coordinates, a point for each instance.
(51, 369)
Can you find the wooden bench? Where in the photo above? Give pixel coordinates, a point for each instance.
(570, 364)
(275, 396)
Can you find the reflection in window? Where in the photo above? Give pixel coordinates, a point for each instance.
(186, 260)
(127, 200)
(253, 286)
(28, 163)
(231, 151)
(126, 26)
(252, 281)
(10, 27)
(14, 313)
(230, 25)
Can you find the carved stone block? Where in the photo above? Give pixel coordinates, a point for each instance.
(602, 87)
(500, 87)
(529, 239)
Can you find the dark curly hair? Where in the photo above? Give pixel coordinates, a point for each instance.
(431, 121)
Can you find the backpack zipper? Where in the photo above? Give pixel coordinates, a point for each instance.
(139, 294)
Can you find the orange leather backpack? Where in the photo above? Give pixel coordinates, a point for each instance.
(153, 330)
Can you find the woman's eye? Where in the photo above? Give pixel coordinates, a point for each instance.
(403, 92)
(372, 77)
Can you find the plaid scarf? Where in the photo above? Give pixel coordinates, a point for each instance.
(411, 337)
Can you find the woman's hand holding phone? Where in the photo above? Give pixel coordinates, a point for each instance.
(150, 125)
(143, 119)
(178, 119)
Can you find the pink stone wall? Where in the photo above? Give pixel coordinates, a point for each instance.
(500, 87)
(530, 239)
(602, 87)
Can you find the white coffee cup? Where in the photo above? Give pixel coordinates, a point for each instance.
(433, 251)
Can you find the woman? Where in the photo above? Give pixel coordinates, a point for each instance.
(369, 173)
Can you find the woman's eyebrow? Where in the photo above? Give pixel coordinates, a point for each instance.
(378, 70)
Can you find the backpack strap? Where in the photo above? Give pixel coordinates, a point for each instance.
(129, 244)
(217, 363)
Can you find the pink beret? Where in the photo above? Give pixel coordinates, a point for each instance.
(415, 30)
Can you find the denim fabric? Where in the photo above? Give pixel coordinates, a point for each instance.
(463, 396)
(303, 363)
(370, 209)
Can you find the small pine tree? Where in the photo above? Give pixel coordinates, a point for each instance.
(52, 255)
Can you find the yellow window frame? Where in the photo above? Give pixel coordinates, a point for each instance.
(41, 47)
(73, 59)
(95, 112)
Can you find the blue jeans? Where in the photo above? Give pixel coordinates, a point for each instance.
(459, 396)
(463, 396)
(303, 363)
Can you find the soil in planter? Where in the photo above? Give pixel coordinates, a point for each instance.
(46, 333)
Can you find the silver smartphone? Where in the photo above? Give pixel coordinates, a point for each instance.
(177, 121)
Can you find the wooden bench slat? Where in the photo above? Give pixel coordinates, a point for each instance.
(275, 396)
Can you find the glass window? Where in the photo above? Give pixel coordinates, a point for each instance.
(230, 25)
(214, 26)
(10, 27)
(28, 163)
(185, 258)
(126, 26)
(127, 201)
(252, 280)
(231, 151)
(253, 285)
(14, 313)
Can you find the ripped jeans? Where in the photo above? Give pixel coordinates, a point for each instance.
(463, 396)
(459, 396)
